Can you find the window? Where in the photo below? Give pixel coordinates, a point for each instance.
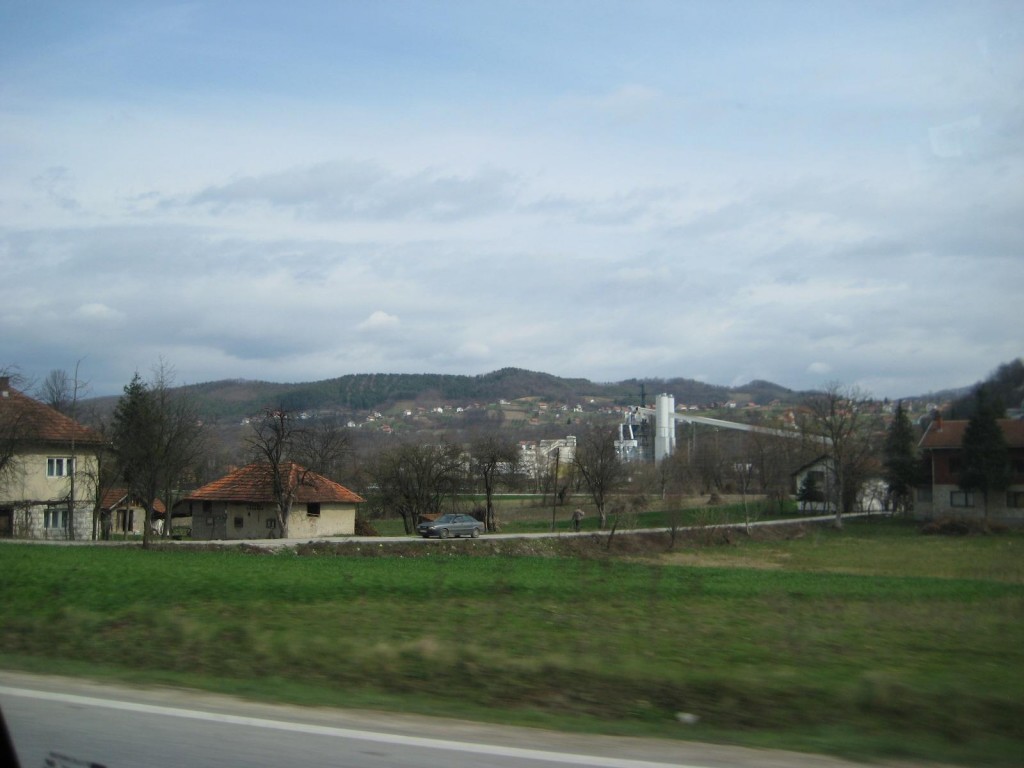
(59, 466)
(313, 509)
(254, 507)
(239, 522)
(961, 498)
(208, 506)
(924, 495)
(1015, 499)
(272, 523)
(55, 518)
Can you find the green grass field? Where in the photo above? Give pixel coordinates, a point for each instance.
(872, 642)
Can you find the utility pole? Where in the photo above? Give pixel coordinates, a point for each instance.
(554, 489)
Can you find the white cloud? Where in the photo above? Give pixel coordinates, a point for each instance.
(96, 311)
(473, 350)
(379, 321)
(660, 202)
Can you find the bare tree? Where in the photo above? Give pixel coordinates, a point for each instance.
(273, 442)
(711, 458)
(599, 465)
(775, 458)
(57, 390)
(72, 389)
(183, 436)
(323, 447)
(493, 460)
(414, 480)
(840, 421)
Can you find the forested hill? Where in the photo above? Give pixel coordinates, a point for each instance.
(377, 391)
(1005, 385)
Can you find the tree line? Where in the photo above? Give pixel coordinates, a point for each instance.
(160, 448)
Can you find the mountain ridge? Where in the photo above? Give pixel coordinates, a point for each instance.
(237, 398)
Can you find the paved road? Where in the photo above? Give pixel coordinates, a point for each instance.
(278, 543)
(74, 723)
(282, 543)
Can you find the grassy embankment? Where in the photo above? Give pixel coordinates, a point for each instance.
(872, 642)
(528, 514)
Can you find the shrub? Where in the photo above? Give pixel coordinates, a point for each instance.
(364, 527)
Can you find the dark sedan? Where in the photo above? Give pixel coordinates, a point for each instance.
(451, 525)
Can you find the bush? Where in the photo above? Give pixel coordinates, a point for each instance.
(364, 527)
(956, 526)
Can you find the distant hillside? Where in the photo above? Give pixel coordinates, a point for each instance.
(1005, 384)
(235, 398)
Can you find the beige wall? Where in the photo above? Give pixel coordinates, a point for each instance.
(940, 507)
(334, 520)
(38, 501)
(259, 521)
(28, 480)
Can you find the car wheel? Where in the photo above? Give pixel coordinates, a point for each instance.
(444, 533)
(476, 533)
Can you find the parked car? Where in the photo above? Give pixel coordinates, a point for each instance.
(451, 525)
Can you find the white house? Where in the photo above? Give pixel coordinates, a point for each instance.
(48, 470)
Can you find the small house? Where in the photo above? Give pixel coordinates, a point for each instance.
(242, 505)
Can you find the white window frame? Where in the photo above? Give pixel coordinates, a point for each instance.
(961, 499)
(55, 518)
(60, 466)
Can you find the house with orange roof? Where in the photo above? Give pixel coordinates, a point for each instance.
(49, 465)
(242, 505)
(127, 513)
(940, 495)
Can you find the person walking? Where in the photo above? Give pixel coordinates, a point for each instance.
(577, 516)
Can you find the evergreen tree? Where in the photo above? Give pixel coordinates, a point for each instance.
(809, 492)
(900, 464)
(135, 433)
(986, 457)
(156, 436)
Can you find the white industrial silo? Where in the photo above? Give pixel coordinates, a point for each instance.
(664, 427)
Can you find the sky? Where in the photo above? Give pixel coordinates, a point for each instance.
(809, 193)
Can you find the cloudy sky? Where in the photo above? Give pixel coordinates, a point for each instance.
(805, 192)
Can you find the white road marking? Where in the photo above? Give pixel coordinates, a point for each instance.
(345, 733)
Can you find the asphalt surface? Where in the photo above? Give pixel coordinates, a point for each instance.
(283, 543)
(71, 723)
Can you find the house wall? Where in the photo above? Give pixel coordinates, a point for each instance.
(334, 520)
(37, 503)
(945, 499)
(209, 519)
(941, 504)
(231, 520)
(128, 519)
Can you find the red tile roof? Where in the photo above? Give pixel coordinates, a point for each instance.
(118, 497)
(950, 434)
(253, 484)
(34, 421)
